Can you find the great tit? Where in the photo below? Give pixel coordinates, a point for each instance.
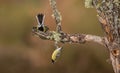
(41, 26)
(56, 53)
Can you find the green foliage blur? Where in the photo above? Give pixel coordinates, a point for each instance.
(20, 52)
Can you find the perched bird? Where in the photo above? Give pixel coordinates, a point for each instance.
(41, 26)
(56, 53)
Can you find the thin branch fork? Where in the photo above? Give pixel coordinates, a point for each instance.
(74, 38)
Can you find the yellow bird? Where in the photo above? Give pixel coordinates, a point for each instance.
(56, 54)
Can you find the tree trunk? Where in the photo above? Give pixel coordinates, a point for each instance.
(109, 17)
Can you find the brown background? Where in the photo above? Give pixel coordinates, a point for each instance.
(20, 52)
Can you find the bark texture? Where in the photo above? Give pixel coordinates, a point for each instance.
(109, 17)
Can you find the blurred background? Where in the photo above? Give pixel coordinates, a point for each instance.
(20, 52)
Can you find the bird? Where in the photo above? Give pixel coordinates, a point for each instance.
(41, 26)
(56, 53)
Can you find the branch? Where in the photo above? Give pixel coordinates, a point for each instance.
(70, 38)
(74, 38)
(56, 15)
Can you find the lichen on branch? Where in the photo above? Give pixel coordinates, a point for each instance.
(56, 15)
